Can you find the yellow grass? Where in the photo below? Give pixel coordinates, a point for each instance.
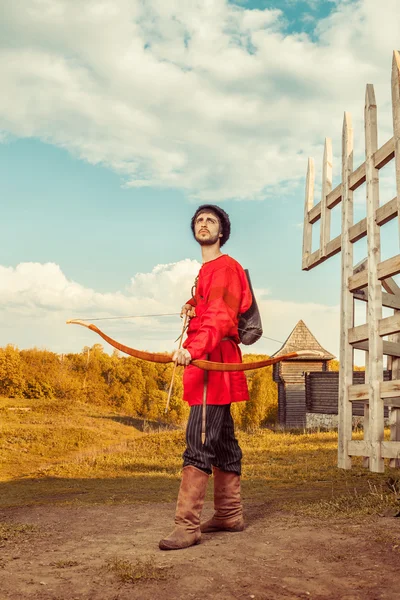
(79, 454)
(34, 434)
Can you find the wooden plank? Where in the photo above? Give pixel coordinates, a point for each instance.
(396, 123)
(334, 197)
(387, 212)
(363, 447)
(384, 154)
(389, 348)
(366, 411)
(391, 300)
(386, 326)
(314, 214)
(385, 269)
(391, 286)
(325, 228)
(383, 215)
(388, 300)
(394, 366)
(358, 231)
(361, 266)
(314, 260)
(357, 177)
(391, 450)
(394, 425)
(390, 325)
(392, 403)
(361, 295)
(358, 392)
(309, 201)
(358, 448)
(374, 306)
(334, 246)
(358, 281)
(389, 267)
(358, 334)
(390, 389)
(346, 304)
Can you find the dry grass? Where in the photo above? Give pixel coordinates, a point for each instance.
(64, 564)
(10, 531)
(86, 456)
(381, 499)
(52, 432)
(138, 571)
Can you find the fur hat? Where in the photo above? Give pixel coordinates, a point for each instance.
(222, 216)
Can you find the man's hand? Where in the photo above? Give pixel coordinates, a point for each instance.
(188, 310)
(182, 357)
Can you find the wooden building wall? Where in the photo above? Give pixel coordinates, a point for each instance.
(295, 405)
(307, 386)
(322, 392)
(290, 377)
(281, 403)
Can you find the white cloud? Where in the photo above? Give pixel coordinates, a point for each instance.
(37, 299)
(205, 96)
(35, 287)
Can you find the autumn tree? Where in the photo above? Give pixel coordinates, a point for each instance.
(125, 384)
(11, 376)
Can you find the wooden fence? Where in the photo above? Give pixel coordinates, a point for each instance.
(371, 282)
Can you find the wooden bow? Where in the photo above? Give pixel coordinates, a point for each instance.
(206, 365)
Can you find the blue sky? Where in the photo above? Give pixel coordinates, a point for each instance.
(297, 15)
(117, 121)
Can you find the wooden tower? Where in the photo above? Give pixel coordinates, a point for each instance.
(370, 282)
(289, 375)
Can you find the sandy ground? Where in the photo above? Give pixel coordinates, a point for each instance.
(278, 557)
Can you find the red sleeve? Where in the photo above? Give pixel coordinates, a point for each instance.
(221, 313)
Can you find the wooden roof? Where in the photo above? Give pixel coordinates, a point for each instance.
(301, 338)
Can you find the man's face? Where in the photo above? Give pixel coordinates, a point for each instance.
(207, 229)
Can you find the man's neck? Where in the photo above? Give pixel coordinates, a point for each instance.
(210, 252)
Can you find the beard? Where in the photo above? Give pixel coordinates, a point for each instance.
(208, 241)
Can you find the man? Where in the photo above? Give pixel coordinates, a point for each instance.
(221, 293)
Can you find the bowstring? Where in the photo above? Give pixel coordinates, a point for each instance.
(129, 317)
(163, 315)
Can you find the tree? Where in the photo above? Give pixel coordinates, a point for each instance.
(11, 377)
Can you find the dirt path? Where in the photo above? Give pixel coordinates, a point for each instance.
(277, 557)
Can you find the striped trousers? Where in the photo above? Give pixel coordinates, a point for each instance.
(221, 448)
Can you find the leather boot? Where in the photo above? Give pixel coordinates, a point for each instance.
(228, 514)
(188, 510)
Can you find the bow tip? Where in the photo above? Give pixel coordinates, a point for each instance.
(77, 322)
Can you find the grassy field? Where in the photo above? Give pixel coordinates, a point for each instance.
(87, 455)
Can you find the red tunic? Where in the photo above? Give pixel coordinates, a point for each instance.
(222, 294)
